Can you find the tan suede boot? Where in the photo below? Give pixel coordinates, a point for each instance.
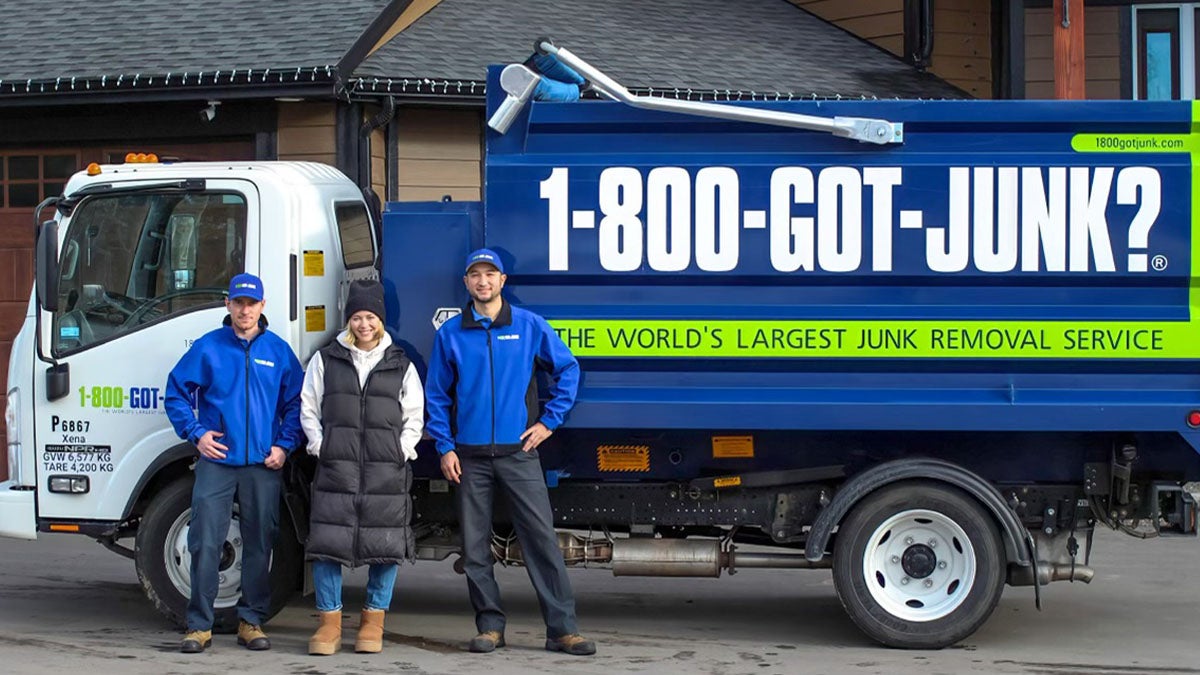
(328, 638)
(370, 632)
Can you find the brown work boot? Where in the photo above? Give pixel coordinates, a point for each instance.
(252, 637)
(370, 632)
(328, 638)
(574, 644)
(195, 641)
(486, 641)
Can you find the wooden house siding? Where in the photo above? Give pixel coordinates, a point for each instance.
(439, 153)
(1102, 64)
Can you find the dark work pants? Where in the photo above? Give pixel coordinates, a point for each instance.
(257, 491)
(518, 478)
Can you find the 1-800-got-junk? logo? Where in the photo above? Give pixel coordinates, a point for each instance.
(121, 399)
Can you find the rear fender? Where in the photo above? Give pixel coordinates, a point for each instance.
(1016, 538)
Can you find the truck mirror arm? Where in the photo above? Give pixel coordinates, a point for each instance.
(58, 375)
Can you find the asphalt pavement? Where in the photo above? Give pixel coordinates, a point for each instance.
(69, 605)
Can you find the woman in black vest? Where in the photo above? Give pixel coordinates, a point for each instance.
(362, 408)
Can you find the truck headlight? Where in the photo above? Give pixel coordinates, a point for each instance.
(12, 429)
(70, 484)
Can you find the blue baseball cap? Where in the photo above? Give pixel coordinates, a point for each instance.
(484, 255)
(246, 286)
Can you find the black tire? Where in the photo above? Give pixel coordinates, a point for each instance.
(905, 592)
(166, 512)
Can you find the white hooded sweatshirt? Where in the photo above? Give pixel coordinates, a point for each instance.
(412, 396)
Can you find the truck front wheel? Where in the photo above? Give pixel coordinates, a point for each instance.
(919, 565)
(164, 564)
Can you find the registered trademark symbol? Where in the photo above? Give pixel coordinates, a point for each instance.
(1159, 263)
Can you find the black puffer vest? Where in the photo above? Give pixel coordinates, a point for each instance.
(360, 500)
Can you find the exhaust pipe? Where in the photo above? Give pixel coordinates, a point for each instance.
(1048, 572)
(695, 558)
(659, 557)
(666, 558)
(638, 557)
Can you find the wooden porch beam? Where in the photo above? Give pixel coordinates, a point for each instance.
(1069, 78)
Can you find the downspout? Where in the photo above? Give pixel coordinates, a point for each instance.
(1008, 49)
(918, 32)
(381, 118)
(925, 56)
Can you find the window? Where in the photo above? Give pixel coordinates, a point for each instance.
(28, 177)
(1165, 54)
(354, 229)
(129, 260)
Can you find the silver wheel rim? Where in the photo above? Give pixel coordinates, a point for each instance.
(178, 561)
(919, 565)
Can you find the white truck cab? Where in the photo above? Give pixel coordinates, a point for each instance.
(133, 267)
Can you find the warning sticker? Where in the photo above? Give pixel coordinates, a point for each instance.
(623, 457)
(726, 447)
(314, 318)
(728, 481)
(314, 263)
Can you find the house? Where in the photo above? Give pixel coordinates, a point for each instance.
(1004, 48)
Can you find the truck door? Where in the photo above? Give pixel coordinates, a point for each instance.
(143, 273)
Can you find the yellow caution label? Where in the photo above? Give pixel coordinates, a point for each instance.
(314, 263)
(314, 318)
(623, 457)
(727, 481)
(728, 447)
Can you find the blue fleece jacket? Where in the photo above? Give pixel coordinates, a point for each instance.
(249, 391)
(481, 392)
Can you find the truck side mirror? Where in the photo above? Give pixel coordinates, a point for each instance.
(58, 381)
(46, 279)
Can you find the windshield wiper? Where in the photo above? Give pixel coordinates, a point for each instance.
(67, 204)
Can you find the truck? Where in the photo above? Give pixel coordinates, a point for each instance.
(930, 346)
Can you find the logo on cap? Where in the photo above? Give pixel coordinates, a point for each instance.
(245, 286)
(484, 255)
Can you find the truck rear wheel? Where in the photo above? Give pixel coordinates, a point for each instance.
(164, 564)
(919, 565)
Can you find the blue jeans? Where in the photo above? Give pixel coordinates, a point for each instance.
(518, 477)
(257, 490)
(327, 579)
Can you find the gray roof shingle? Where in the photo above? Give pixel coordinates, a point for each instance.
(764, 46)
(42, 40)
(761, 46)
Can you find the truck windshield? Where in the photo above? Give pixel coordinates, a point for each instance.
(129, 260)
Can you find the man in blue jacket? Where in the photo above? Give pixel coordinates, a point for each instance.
(481, 385)
(245, 382)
